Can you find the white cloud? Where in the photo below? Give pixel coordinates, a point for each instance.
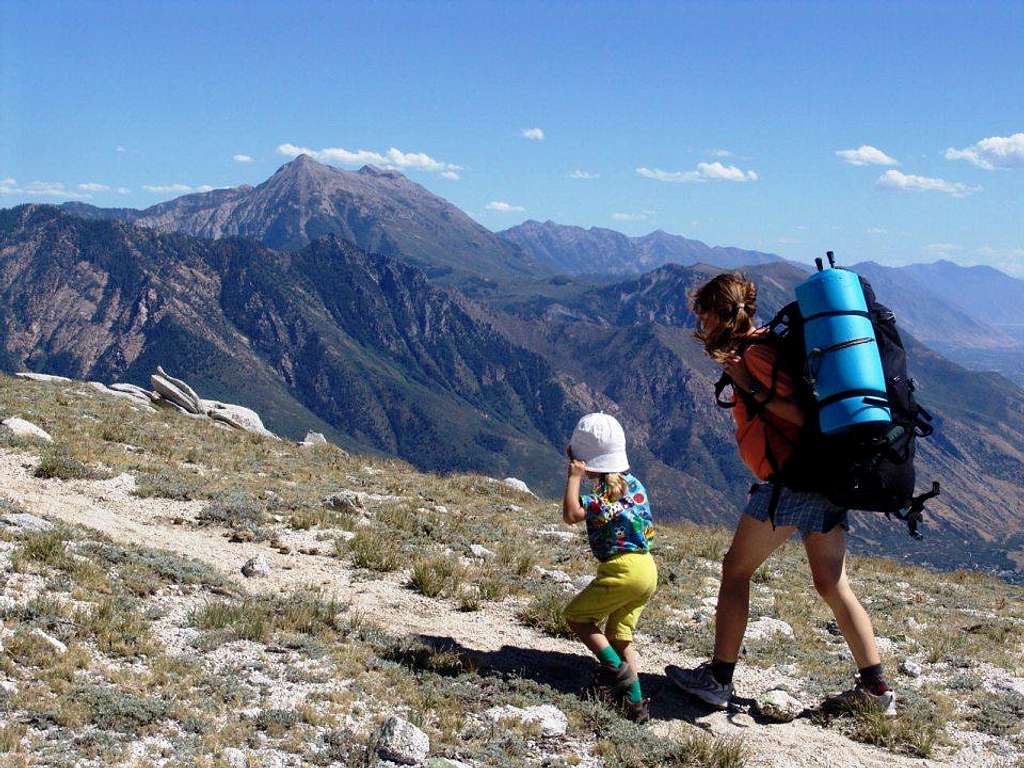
(993, 152)
(721, 153)
(503, 207)
(865, 154)
(240, 158)
(579, 173)
(119, 148)
(9, 186)
(895, 180)
(641, 216)
(164, 188)
(704, 172)
(450, 175)
(533, 134)
(92, 186)
(943, 248)
(123, 191)
(876, 231)
(394, 159)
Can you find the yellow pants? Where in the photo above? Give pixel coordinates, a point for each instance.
(618, 593)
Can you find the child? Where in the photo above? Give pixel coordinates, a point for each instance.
(619, 527)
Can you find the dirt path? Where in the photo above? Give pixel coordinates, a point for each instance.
(493, 633)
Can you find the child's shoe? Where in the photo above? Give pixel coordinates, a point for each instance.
(615, 681)
(637, 711)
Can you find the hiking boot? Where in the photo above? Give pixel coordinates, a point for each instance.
(860, 698)
(637, 711)
(701, 684)
(614, 681)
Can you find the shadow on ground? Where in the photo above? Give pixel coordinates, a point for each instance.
(573, 673)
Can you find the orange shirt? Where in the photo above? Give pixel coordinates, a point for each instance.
(752, 432)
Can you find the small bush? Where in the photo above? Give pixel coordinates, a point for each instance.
(374, 550)
(544, 612)
(167, 485)
(167, 567)
(60, 465)
(114, 709)
(46, 548)
(997, 714)
(435, 576)
(237, 510)
(116, 628)
(515, 557)
(238, 621)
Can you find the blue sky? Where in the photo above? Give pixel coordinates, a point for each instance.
(719, 121)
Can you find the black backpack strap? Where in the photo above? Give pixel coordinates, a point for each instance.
(914, 515)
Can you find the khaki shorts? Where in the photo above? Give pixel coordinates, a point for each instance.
(618, 593)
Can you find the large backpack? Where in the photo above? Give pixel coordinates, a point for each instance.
(868, 469)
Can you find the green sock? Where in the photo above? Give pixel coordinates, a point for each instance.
(634, 691)
(608, 656)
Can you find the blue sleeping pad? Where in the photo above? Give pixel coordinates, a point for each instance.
(842, 354)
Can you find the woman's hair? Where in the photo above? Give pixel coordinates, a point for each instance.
(613, 486)
(732, 299)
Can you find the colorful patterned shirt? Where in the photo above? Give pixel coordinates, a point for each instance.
(618, 526)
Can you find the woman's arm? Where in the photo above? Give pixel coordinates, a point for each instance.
(783, 406)
(572, 512)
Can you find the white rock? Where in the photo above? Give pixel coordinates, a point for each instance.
(256, 567)
(559, 577)
(345, 501)
(21, 428)
(885, 645)
(9, 687)
(234, 757)
(911, 668)
(346, 535)
(441, 509)
(517, 484)
(26, 522)
(313, 439)
(481, 552)
(550, 719)
(766, 627)
(175, 391)
(401, 741)
(237, 416)
(58, 647)
(779, 706)
(43, 377)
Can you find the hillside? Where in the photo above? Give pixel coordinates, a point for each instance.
(131, 636)
(380, 211)
(575, 250)
(328, 338)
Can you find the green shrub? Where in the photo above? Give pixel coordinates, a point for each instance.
(374, 550)
(58, 464)
(237, 510)
(115, 709)
(544, 612)
(165, 484)
(434, 576)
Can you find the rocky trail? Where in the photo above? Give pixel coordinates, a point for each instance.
(492, 634)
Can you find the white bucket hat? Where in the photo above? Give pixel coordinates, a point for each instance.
(600, 443)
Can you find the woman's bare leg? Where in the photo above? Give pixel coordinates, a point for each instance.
(752, 543)
(826, 553)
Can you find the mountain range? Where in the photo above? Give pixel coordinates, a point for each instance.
(382, 353)
(575, 250)
(378, 210)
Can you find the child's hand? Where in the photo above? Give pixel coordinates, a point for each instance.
(577, 469)
(738, 372)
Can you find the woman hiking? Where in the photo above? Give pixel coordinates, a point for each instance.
(768, 427)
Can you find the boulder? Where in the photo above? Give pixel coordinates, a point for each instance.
(25, 429)
(132, 389)
(481, 552)
(779, 706)
(313, 439)
(911, 668)
(56, 645)
(176, 391)
(43, 377)
(25, 522)
(551, 721)
(517, 484)
(237, 416)
(345, 501)
(766, 627)
(256, 567)
(402, 742)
